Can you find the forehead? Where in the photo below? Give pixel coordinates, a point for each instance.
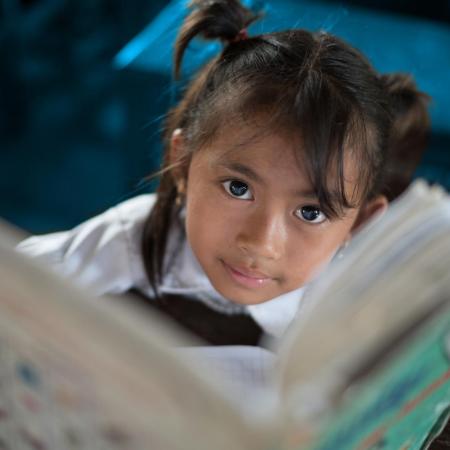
(268, 151)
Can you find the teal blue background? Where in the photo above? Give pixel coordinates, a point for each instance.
(84, 85)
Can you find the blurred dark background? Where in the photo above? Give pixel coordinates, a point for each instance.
(79, 127)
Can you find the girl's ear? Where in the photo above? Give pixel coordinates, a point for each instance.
(178, 159)
(176, 150)
(372, 208)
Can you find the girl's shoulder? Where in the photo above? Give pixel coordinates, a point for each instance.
(102, 253)
(134, 210)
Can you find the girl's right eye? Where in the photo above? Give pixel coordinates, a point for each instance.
(237, 189)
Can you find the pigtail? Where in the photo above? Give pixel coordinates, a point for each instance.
(409, 132)
(212, 19)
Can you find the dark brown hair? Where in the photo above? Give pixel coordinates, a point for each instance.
(409, 132)
(311, 86)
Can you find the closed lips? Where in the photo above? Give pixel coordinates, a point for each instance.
(249, 273)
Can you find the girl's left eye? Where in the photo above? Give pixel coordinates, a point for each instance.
(238, 189)
(310, 214)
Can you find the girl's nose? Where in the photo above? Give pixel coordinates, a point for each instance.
(262, 235)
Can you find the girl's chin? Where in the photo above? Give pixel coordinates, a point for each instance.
(242, 296)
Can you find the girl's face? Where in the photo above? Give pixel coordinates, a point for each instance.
(253, 221)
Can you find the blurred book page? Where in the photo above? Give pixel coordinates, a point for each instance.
(370, 367)
(84, 373)
(393, 273)
(247, 374)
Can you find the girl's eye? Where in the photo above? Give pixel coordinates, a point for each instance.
(310, 214)
(237, 189)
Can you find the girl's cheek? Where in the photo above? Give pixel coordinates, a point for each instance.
(315, 246)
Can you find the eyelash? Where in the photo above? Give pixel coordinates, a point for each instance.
(226, 186)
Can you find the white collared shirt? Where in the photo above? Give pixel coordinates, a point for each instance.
(104, 255)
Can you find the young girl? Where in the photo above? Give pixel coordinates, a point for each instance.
(273, 158)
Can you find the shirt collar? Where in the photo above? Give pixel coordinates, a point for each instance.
(274, 316)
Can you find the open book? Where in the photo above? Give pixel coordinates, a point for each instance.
(367, 368)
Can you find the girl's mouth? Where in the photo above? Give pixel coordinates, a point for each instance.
(247, 277)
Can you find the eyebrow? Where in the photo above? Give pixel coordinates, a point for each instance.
(242, 169)
(254, 176)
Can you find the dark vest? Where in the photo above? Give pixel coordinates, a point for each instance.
(211, 326)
